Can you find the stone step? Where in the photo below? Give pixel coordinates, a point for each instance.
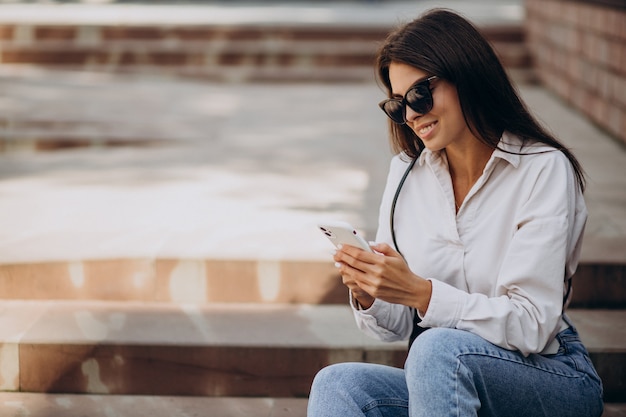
(21, 404)
(176, 281)
(599, 285)
(596, 285)
(71, 405)
(604, 334)
(217, 350)
(224, 53)
(212, 350)
(614, 410)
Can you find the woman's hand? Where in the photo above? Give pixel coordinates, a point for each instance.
(383, 275)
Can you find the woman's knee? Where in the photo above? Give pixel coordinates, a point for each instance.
(434, 341)
(434, 376)
(349, 389)
(336, 378)
(328, 391)
(358, 380)
(436, 348)
(328, 376)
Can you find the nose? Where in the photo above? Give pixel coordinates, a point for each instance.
(410, 115)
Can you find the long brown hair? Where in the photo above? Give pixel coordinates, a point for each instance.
(445, 44)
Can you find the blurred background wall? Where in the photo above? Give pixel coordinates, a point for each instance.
(579, 52)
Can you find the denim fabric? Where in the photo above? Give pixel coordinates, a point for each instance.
(456, 373)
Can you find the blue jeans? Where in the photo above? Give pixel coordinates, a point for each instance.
(452, 372)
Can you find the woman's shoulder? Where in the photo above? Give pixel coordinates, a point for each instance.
(400, 162)
(531, 153)
(533, 160)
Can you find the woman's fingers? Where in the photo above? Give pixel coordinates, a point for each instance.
(377, 273)
(355, 257)
(383, 274)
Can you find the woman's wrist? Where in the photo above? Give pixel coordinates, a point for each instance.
(423, 297)
(362, 301)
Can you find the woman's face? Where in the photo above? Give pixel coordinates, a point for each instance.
(444, 124)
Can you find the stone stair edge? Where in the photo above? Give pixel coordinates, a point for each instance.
(198, 51)
(329, 326)
(232, 280)
(304, 261)
(250, 74)
(65, 30)
(361, 53)
(194, 325)
(328, 14)
(17, 404)
(214, 351)
(95, 347)
(176, 280)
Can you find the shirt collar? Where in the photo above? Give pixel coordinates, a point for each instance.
(509, 149)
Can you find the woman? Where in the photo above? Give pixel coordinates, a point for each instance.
(482, 243)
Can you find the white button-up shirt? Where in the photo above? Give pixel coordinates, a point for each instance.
(499, 265)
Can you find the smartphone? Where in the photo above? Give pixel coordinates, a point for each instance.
(343, 233)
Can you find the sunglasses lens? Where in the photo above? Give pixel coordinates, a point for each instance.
(419, 99)
(395, 111)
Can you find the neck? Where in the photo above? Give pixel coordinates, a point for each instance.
(467, 161)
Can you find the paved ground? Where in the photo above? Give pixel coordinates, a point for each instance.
(186, 168)
(191, 169)
(242, 171)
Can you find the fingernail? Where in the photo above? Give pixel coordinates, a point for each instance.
(372, 243)
(339, 246)
(337, 264)
(334, 252)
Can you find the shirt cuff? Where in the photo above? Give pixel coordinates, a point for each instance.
(354, 302)
(445, 307)
(375, 308)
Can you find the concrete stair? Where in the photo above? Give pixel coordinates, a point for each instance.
(251, 52)
(216, 350)
(175, 281)
(164, 349)
(597, 285)
(218, 327)
(69, 405)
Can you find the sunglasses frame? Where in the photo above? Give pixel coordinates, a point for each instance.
(404, 102)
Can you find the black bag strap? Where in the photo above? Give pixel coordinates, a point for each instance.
(395, 200)
(417, 330)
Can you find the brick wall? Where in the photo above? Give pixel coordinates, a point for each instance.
(579, 52)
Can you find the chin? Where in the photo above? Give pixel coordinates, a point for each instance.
(433, 146)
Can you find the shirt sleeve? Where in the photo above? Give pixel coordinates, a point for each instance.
(384, 321)
(524, 311)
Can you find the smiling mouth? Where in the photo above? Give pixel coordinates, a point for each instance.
(424, 130)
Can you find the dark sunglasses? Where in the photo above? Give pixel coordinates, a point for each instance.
(419, 98)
